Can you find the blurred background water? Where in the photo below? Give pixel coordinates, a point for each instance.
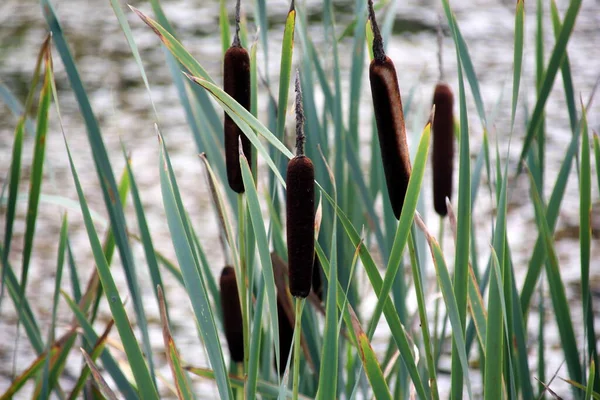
(122, 106)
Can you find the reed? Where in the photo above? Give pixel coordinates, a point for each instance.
(300, 208)
(389, 116)
(236, 82)
(232, 314)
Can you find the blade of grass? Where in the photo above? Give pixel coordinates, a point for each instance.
(539, 256)
(96, 352)
(181, 383)
(557, 291)
(403, 229)
(105, 175)
(37, 170)
(100, 382)
(445, 283)
(553, 65)
(585, 235)
(224, 26)
(134, 354)
(45, 392)
(109, 363)
(194, 282)
(263, 250)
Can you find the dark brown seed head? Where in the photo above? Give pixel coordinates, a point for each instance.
(443, 146)
(232, 314)
(391, 130)
(236, 78)
(300, 207)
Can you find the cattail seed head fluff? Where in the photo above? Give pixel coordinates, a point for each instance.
(389, 116)
(443, 147)
(236, 79)
(232, 314)
(300, 209)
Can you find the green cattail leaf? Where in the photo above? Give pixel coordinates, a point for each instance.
(224, 25)
(565, 69)
(181, 384)
(262, 242)
(557, 291)
(585, 236)
(85, 371)
(592, 375)
(518, 57)
(445, 284)
(403, 229)
(539, 255)
(397, 330)
(194, 282)
(145, 237)
(553, 65)
(370, 363)
(597, 156)
(285, 70)
(108, 362)
(27, 317)
(255, 342)
(37, 170)
(267, 389)
(247, 123)
(45, 389)
(100, 382)
(29, 373)
(466, 62)
(105, 176)
(134, 354)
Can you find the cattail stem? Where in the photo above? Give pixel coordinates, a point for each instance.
(236, 37)
(378, 51)
(296, 353)
(300, 138)
(243, 278)
(440, 43)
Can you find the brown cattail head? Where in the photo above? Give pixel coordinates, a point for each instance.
(232, 314)
(391, 130)
(236, 79)
(443, 146)
(390, 120)
(300, 207)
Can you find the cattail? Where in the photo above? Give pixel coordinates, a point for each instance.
(390, 120)
(236, 78)
(300, 206)
(232, 314)
(443, 147)
(317, 282)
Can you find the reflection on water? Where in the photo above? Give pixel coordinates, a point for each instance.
(124, 112)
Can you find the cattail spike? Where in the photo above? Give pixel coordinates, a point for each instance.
(300, 138)
(236, 37)
(236, 80)
(286, 335)
(232, 314)
(443, 147)
(378, 51)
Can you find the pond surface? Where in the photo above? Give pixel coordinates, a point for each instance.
(124, 112)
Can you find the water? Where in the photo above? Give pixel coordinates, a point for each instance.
(124, 112)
